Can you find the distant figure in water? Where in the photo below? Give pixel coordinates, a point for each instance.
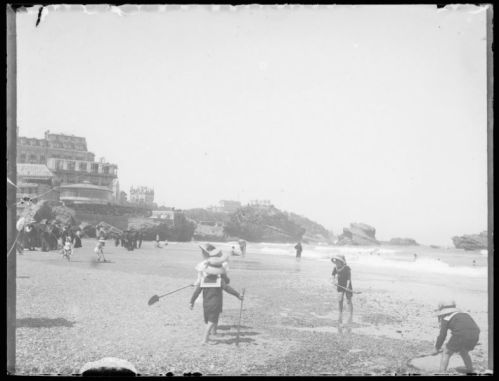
(474, 262)
(465, 334)
(415, 256)
(298, 249)
(242, 246)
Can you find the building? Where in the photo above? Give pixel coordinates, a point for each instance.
(164, 215)
(225, 206)
(142, 196)
(85, 193)
(67, 157)
(36, 181)
(123, 197)
(260, 203)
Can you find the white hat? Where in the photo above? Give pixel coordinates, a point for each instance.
(339, 257)
(446, 307)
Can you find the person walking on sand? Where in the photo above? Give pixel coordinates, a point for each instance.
(344, 286)
(77, 240)
(157, 241)
(212, 283)
(464, 338)
(299, 249)
(140, 239)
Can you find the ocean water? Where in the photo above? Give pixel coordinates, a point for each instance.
(429, 260)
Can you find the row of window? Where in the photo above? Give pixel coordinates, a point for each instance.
(82, 166)
(23, 158)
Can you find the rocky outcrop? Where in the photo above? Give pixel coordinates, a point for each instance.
(471, 241)
(314, 232)
(403, 242)
(50, 211)
(358, 234)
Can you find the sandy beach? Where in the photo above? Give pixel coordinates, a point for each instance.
(69, 313)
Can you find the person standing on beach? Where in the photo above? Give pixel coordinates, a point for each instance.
(242, 246)
(298, 249)
(344, 286)
(214, 281)
(77, 240)
(465, 334)
(140, 239)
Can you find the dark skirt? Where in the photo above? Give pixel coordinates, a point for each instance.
(460, 343)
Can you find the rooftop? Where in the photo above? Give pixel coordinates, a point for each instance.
(33, 170)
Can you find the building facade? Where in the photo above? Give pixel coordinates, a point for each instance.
(260, 203)
(36, 181)
(141, 195)
(85, 193)
(225, 206)
(67, 157)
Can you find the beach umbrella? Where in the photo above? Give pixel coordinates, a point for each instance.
(155, 298)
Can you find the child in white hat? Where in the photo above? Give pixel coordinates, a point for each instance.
(465, 334)
(212, 281)
(344, 286)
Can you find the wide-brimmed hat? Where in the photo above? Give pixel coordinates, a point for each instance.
(446, 307)
(339, 257)
(209, 250)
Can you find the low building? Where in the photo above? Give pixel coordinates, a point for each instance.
(225, 206)
(260, 203)
(36, 181)
(75, 171)
(85, 193)
(142, 196)
(164, 215)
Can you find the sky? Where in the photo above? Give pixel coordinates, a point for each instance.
(373, 114)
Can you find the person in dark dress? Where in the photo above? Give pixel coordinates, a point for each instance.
(464, 334)
(242, 246)
(77, 240)
(344, 286)
(140, 239)
(212, 303)
(299, 249)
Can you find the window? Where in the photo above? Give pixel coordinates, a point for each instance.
(105, 170)
(58, 164)
(22, 158)
(83, 166)
(71, 165)
(42, 159)
(95, 167)
(32, 158)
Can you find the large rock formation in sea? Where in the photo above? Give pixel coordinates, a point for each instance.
(358, 234)
(471, 241)
(403, 242)
(314, 232)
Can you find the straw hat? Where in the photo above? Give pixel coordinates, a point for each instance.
(209, 250)
(446, 307)
(339, 257)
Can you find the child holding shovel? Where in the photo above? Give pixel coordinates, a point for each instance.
(465, 334)
(212, 282)
(343, 286)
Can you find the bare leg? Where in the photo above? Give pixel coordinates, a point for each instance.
(467, 361)
(340, 308)
(206, 337)
(214, 329)
(444, 362)
(350, 310)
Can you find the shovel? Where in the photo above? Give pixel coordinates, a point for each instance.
(346, 289)
(155, 298)
(240, 314)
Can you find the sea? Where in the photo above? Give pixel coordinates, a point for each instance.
(448, 261)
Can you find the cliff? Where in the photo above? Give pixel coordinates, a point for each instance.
(471, 241)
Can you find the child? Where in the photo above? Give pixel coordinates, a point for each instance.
(465, 334)
(212, 281)
(344, 286)
(100, 251)
(67, 250)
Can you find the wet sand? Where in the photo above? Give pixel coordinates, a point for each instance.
(69, 313)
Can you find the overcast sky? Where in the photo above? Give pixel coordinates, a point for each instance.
(373, 114)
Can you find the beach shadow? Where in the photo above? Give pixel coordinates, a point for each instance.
(43, 323)
(240, 334)
(234, 341)
(228, 327)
